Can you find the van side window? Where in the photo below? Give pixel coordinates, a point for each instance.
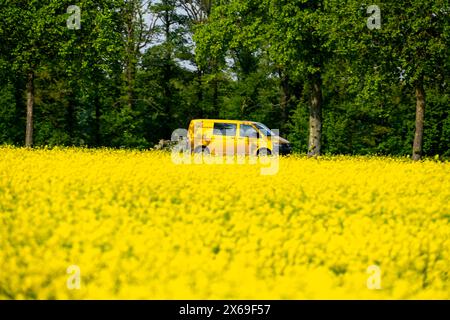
(248, 131)
(225, 129)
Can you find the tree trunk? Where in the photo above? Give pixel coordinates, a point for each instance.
(215, 88)
(215, 101)
(130, 74)
(420, 116)
(30, 106)
(284, 99)
(71, 116)
(200, 92)
(131, 54)
(98, 114)
(315, 118)
(167, 74)
(20, 109)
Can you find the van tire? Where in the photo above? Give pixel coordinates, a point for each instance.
(202, 150)
(264, 152)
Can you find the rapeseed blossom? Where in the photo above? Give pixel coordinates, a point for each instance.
(139, 226)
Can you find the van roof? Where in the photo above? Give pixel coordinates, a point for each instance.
(222, 120)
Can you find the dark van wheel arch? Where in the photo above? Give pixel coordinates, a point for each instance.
(263, 152)
(202, 150)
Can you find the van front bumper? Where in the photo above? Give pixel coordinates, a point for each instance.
(284, 149)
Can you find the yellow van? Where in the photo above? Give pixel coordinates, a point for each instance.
(234, 137)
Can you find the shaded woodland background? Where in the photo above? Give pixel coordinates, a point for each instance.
(137, 70)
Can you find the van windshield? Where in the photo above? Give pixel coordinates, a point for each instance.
(264, 130)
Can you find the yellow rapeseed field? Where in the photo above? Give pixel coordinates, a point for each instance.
(91, 224)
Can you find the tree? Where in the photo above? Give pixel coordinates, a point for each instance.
(197, 12)
(91, 59)
(171, 30)
(31, 42)
(139, 26)
(331, 82)
(291, 32)
(411, 47)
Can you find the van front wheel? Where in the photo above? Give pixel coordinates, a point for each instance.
(264, 153)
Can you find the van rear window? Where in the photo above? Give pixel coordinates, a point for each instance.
(224, 129)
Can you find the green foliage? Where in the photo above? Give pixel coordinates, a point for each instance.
(7, 114)
(243, 59)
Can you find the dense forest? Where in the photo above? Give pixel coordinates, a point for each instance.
(335, 76)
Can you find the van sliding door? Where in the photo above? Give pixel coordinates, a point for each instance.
(224, 139)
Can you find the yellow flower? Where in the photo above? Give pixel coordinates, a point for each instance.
(139, 226)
